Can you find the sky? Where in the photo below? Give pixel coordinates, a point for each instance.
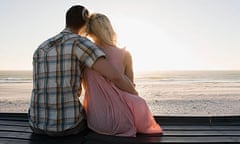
(160, 34)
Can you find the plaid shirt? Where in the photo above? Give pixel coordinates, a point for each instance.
(57, 67)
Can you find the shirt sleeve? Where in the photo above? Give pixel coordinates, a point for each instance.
(88, 52)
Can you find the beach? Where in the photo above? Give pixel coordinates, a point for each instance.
(15, 97)
(208, 99)
(164, 94)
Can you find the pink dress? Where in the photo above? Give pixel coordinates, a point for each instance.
(112, 111)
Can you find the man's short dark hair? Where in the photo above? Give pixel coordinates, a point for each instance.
(76, 17)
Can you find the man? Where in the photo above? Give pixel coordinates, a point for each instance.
(58, 63)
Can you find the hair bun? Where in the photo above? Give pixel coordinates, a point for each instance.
(85, 14)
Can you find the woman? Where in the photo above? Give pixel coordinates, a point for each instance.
(110, 110)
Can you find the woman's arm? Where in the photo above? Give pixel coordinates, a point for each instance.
(128, 66)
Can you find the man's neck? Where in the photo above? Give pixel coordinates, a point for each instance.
(73, 30)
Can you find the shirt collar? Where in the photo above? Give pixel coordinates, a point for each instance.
(67, 30)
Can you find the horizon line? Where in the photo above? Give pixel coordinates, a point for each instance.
(152, 70)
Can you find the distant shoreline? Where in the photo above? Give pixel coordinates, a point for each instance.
(139, 71)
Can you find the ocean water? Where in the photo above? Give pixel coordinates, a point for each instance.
(15, 77)
(146, 77)
(188, 76)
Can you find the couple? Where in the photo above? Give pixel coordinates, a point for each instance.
(68, 60)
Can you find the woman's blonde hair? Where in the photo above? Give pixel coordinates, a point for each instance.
(100, 26)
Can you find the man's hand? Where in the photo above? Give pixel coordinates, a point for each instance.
(107, 70)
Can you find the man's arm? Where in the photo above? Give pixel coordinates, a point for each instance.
(107, 70)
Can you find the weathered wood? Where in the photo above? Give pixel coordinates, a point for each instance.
(14, 129)
(200, 128)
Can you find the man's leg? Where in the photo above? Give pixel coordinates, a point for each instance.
(81, 127)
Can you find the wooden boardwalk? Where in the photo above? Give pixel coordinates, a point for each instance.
(14, 129)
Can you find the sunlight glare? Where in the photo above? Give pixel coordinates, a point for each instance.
(150, 47)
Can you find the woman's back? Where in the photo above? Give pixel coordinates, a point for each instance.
(115, 56)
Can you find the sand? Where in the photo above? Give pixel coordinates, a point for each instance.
(198, 99)
(15, 97)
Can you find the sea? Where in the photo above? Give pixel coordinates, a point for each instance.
(15, 77)
(188, 76)
(166, 92)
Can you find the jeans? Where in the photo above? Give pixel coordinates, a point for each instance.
(82, 126)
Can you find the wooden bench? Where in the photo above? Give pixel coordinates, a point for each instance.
(14, 129)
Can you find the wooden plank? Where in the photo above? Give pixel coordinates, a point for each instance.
(166, 133)
(228, 120)
(201, 133)
(14, 116)
(15, 128)
(200, 128)
(164, 139)
(162, 119)
(14, 123)
(15, 141)
(198, 140)
(15, 135)
(181, 120)
(22, 136)
(43, 141)
(165, 128)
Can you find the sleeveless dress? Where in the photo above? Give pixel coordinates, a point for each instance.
(111, 111)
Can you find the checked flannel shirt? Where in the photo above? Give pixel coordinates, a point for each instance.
(58, 64)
